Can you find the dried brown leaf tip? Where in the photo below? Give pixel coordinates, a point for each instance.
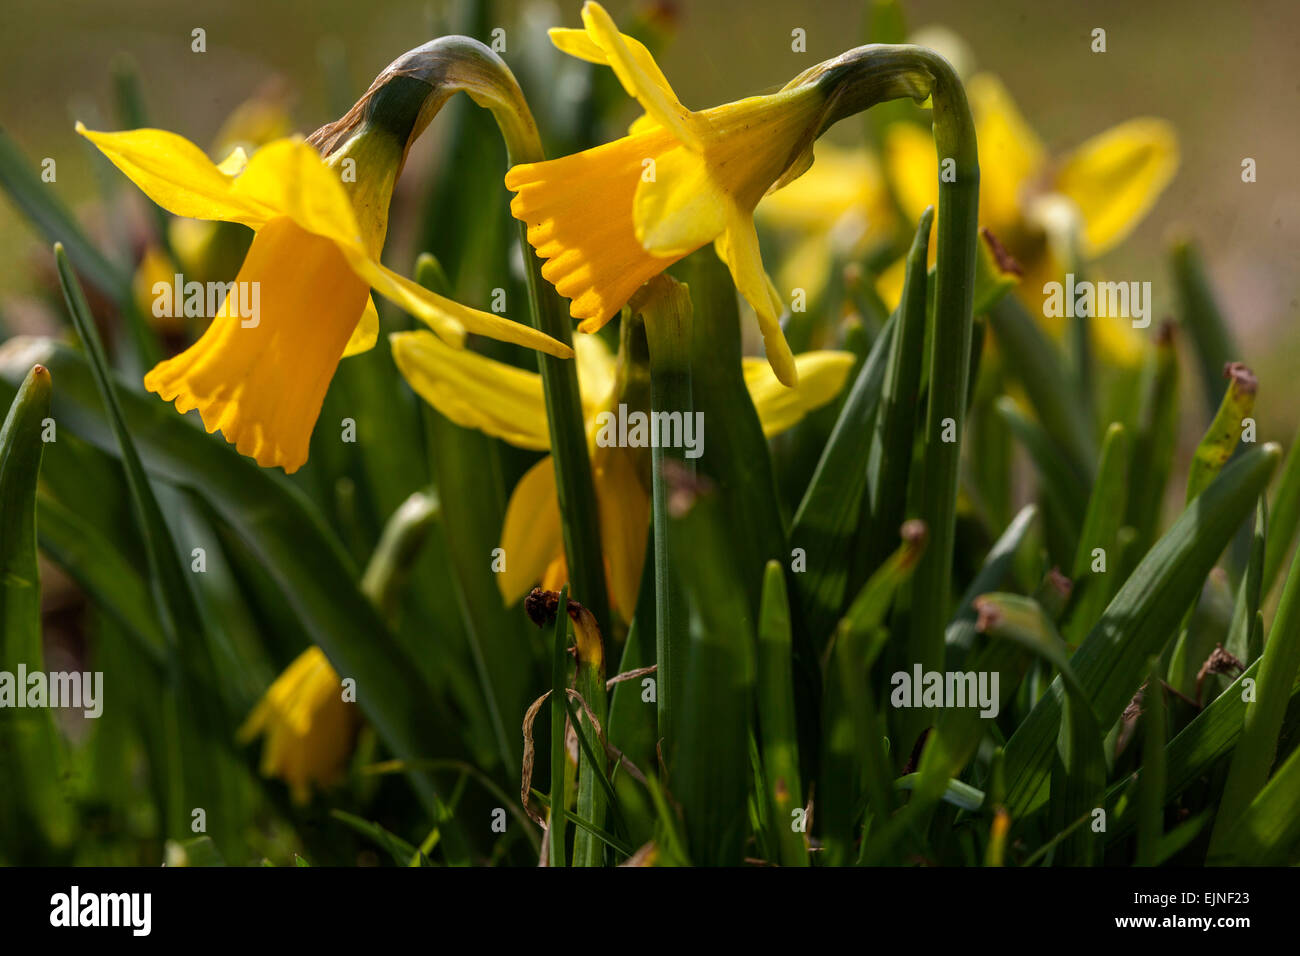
(915, 534)
(1005, 260)
(1219, 662)
(1240, 377)
(1059, 583)
(988, 614)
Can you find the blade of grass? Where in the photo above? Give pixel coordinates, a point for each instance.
(559, 715)
(776, 719)
(1254, 754)
(1139, 621)
(32, 753)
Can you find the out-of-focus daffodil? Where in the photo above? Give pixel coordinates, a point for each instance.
(609, 218)
(261, 380)
(833, 212)
(1047, 212)
(308, 726)
(506, 402)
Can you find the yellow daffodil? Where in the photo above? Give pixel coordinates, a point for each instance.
(832, 213)
(609, 218)
(309, 727)
(1047, 212)
(506, 402)
(260, 379)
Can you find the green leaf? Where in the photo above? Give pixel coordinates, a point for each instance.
(1079, 766)
(1139, 621)
(33, 756)
(275, 521)
(1202, 317)
(992, 576)
(776, 719)
(855, 762)
(1221, 438)
(710, 772)
(1155, 442)
(402, 852)
(894, 432)
(1035, 362)
(1268, 830)
(1065, 491)
(824, 524)
(559, 716)
(1284, 518)
(1253, 756)
(1101, 526)
(1151, 786)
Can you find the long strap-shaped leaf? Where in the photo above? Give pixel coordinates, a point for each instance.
(276, 521)
(1112, 660)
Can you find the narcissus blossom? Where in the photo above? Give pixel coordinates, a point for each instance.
(315, 257)
(609, 218)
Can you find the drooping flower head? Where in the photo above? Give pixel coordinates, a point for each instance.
(260, 372)
(609, 218)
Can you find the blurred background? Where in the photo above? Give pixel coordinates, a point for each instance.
(1225, 75)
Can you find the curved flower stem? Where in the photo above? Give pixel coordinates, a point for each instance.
(855, 81)
(406, 97)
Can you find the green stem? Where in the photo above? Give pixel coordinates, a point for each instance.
(457, 64)
(855, 81)
(666, 308)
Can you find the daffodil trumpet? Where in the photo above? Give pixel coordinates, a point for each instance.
(319, 212)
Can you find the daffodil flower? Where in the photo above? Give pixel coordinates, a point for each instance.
(314, 259)
(308, 726)
(609, 218)
(1045, 211)
(506, 402)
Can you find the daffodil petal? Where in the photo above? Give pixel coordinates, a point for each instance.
(530, 536)
(290, 177)
(738, 248)
(473, 390)
(821, 377)
(577, 44)
(177, 175)
(1116, 177)
(449, 318)
(682, 208)
(1010, 152)
(624, 524)
(639, 74)
(597, 373)
(366, 334)
(262, 384)
(912, 166)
